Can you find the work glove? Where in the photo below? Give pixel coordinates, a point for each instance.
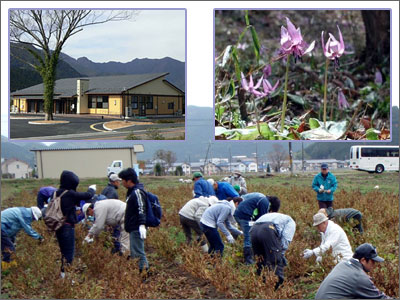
(328, 191)
(307, 253)
(230, 239)
(322, 187)
(88, 239)
(142, 232)
(319, 259)
(240, 232)
(93, 187)
(320, 191)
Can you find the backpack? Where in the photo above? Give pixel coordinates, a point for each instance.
(153, 209)
(54, 218)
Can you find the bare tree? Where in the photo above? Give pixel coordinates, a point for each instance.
(168, 157)
(277, 157)
(43, 33)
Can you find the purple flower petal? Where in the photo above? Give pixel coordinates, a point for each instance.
(244, 82)
(267, 71)
(342, 102)
(378, 77)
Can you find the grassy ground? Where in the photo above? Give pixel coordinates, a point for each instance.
(180, 271)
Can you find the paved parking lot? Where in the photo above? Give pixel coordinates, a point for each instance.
(78, 128)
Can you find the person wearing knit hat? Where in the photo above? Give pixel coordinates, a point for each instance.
(201, 186)
(12, 221)
(350, 279)
(333, 236)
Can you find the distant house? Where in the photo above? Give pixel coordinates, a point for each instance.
(118, 95)
(251, 166)
(15, 168)
(239, 167)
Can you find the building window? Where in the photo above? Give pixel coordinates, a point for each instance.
(149, 102)
(135, 102)
(17, 166)
(171, 105)
(98, 101)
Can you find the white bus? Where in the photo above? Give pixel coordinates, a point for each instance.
(374, 158)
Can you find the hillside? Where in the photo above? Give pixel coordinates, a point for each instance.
(23, 75)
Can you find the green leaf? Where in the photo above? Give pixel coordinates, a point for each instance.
(256, 42)
(246, 17)
(372, 134)
(266, 132)
(250, 136)
(227, 55)
(314, 123)
(232, 90)
(236, 63)
(296, 99)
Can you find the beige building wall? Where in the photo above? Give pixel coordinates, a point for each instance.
(155, 87)
(82, 85)
(85, 163)
(163, 105)
(21, 104)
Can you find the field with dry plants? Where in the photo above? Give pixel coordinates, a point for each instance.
(180, 271)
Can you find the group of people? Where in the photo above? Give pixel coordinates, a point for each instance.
(217, 206)
(127, 219)
(267, 234)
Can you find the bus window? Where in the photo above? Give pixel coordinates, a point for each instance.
(351, 152)
(357, 153)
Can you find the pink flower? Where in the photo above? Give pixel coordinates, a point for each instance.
(292, 42)
(267, 71)
(378, 77)
(250, 87)
(342, 100)
(333, 48)
(268, 88)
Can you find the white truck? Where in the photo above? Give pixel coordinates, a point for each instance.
(118, 165)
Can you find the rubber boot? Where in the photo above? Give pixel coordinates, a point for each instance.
(248, 255)
(204, 248)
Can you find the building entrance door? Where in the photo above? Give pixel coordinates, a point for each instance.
(142, 106)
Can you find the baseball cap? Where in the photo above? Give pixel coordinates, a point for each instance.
(114, 177)
(197, 174)
(237, 188)
(319, 218)
(324, 166)
(367, 251)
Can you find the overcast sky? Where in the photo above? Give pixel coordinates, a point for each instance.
(151, 34)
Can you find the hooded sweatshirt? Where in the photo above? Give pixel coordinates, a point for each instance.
(135, 214)
(71, 199)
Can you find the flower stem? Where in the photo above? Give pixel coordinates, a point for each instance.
(325, 88)
(257, 117)
(285, 93)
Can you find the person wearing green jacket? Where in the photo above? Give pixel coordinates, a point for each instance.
(325, 184)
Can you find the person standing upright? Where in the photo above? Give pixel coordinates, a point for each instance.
(325, 184)
(135, 215)
(110, 191)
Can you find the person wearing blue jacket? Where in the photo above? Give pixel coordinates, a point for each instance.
(217, 217)
(201, 186)
(245, 213)
(44, 194)
(325, 184)
(12, 221)
(224, 190)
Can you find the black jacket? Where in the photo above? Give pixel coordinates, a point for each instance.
(135, 213)
(69, 181)
(110, 191)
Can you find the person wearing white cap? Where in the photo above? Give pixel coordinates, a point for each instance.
(108, 212)
(333, 236)
(190, 215)
(12, 221)
(110, 191)
(238, 180)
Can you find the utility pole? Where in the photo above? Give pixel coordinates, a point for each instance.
(302, 156)
(291, 158)
(230, 160)
(205, 160)
(257, 157)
